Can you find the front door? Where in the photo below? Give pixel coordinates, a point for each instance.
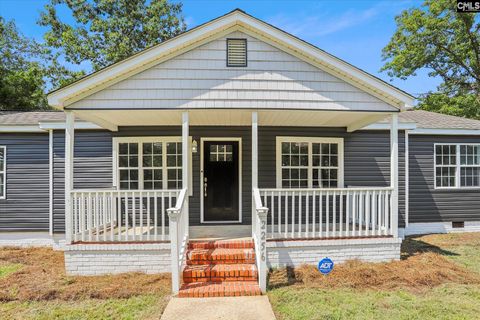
(221, 181)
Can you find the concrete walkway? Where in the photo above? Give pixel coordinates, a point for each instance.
(231, 308)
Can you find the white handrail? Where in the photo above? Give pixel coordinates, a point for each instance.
(108, 215)
(328, 212)
(178, 221)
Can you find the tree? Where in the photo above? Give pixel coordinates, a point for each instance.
(445, 42)
(106, 31)
(22, 81)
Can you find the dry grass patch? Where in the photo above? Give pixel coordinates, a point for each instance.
(415, 273)
(43, 277)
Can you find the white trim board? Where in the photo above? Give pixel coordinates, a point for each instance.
(438, 227)
(240, 158)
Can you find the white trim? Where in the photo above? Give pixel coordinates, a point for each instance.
(236, 139)
(50, 182)
(468, 132)
(309, 140)
(54, 125)
(417, 228)
(4, 173)
(386, 126)
(407, 178)
(236, 20)
(458, 166)
(140, 140)
(20, 128)
(394, 172)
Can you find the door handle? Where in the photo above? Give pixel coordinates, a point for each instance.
(205, 189)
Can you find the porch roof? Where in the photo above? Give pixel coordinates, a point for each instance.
(112, 119)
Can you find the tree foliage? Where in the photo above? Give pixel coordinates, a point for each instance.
(22, 81)
(107, 31)
(445, 42)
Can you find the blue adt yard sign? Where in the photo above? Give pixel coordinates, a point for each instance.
(325, 266)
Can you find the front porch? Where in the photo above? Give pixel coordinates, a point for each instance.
(287, 218)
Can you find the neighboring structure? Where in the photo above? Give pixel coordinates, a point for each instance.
(285, 144)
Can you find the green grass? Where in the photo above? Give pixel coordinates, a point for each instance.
(140, 307)
(448, 301)
(444, 302)
(8, 269)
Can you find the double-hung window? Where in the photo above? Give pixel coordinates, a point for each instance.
(3, 172)
(309, 162)
(150, 163)
(457, 166)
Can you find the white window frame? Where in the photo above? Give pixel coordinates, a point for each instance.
(164, 140)
(310, 141)
(3, 172)
(458, 166)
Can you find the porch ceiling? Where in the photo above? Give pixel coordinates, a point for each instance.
(112, 119)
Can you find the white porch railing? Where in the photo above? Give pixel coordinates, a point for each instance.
(104, 215)
(328, 213)
(178, 219)
(259, 234)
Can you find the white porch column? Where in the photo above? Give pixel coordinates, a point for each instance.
(69, 156)
(394, 172)
(185, 159)
(254, 149)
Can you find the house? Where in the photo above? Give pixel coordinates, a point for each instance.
(229, 149)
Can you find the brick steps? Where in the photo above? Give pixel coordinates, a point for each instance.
(220, 256)
(221, 268)
(219, 289)
(220, 273)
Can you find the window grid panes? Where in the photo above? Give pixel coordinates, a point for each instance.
(174, 165)
(457, 165)
(150, 165)
(309, 164)
(469, 165)
(221, 152)
(325, 165)
(152, 162)
(294, 164)
(3, 179)
(128, 166)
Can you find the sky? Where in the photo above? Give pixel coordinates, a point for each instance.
(353, 30)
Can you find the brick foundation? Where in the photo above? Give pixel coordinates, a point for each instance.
(295, 253)
(98, 259)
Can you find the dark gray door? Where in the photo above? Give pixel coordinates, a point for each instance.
(220, 181)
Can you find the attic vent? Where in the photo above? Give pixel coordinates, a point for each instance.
(236, 52)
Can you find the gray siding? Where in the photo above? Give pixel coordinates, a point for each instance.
(92, 167)
(26, 207)
(428, 204)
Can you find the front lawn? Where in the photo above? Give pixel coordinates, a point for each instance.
(437, 278)
(33, 285)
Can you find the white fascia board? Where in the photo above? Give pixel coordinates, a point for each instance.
(20, 128)
(453, 132)
(112, 73)
(386, 126)
(47, 125)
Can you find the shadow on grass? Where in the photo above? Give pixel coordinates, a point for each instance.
(412, 246)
